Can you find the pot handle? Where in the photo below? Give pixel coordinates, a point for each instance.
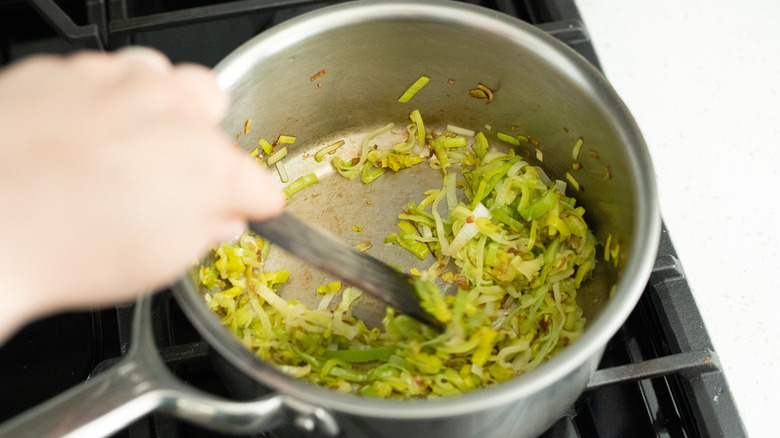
(140, 383)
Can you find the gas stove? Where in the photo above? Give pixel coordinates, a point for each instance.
(659, 377)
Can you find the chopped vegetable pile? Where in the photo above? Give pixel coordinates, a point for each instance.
(502, 233)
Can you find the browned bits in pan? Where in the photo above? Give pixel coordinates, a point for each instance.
(318, 75)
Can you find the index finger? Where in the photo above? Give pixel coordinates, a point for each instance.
(253, 192)
(201, 83)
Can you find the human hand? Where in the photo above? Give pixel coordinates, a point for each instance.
(114, 178)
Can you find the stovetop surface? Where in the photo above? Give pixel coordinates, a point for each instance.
(659, 376)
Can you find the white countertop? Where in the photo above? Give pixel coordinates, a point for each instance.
(702, 80)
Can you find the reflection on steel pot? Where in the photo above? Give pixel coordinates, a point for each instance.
(373, 51)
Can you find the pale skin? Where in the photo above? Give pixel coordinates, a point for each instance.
(115, 176)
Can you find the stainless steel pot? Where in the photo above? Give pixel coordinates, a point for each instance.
(372, 52)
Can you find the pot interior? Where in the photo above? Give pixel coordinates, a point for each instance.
(368, 66)
(337, 76)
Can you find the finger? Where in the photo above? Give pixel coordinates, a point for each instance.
(230, 228)
(202, 86)
(137, 55)
(254, 193)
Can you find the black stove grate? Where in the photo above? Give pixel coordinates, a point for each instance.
(659, 376)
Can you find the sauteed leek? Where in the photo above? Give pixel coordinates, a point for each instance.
(502, 233)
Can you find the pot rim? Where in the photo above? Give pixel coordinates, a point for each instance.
(647, 222)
